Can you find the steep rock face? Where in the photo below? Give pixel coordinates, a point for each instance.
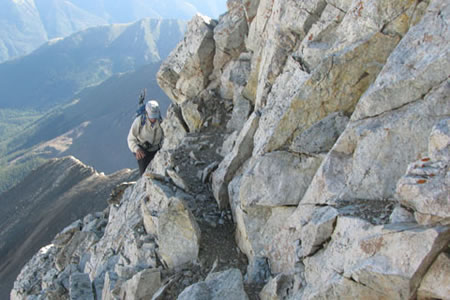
(318, 215)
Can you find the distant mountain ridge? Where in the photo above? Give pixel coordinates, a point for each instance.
(61, 68)
(27, 24)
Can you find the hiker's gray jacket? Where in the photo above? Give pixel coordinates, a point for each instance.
(153, 135)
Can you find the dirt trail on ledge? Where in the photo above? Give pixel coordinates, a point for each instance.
(218, 249)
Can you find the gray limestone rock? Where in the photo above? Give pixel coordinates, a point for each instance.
(193, 115)
(258, 270)
(67, 233)
(389, 260)
(345, 22)
(29, 280)
(229, 35)
(257, 227)
(179, 182)
(174, 127)
(278, 288)
(241, 152)
(410, 73)
(334, 86)
(425, 189)
(80, 287)
(184, 74)
(251, 8)
(373, 154)
(235, 76)
(276, 179)
(178, 235)
(142, 285)
(439, 143)
(318, 230)
(217, 286)
(283, 25)
(401, 215)
(73, 250)
(206, 173)
(166, 215)
(116, 194)
(111, 279)
(436, 283)
(321, 136)
(241, 111)
(228, 143)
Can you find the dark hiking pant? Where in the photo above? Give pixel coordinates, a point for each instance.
(143, 163)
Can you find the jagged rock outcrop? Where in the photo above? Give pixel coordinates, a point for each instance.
(327, 215)
(49, 199)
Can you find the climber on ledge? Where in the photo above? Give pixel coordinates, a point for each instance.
(146, 135)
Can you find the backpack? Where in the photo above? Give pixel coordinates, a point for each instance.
(141, 112)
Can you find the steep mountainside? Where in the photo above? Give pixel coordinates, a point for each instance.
(27, 24)
(55, 72)
(313, 137)
(50, 198)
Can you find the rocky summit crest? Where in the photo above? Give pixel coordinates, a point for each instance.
(307, 157)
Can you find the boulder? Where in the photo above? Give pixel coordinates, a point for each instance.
(389, 259)
(162, 161)
(257, 226)
(229, 35)
(178, 235)
(167, 216)
(137, 252)
(125, 222)
(193, 115)
(341, 287)
(184, 74)
(80, 287)
(235, 76)
(436, 283)
(279, 287)
(142, 285)
(174, 127)
(277, 179)
(321, 136)
(241, 111)
(425, 189)
(318, 230)
(231, 163)
(217, 286)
